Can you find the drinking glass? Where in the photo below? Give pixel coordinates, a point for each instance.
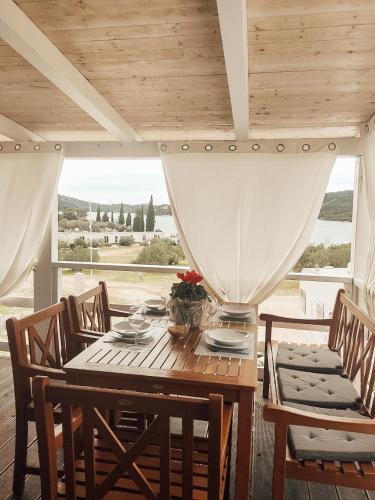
(136, 320)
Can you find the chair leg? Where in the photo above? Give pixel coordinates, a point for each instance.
(279, 462)
(20, 455)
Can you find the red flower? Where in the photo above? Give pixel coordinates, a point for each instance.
(191, 277)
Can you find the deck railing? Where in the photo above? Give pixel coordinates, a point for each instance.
(57, 266)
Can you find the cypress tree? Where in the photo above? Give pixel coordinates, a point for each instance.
(142, 221)
(137, 222)
(150, 219)
(98, 218)
(112, 219)
(105, 217)
(121, 218)
(128, 220)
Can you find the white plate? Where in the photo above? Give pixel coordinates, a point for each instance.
(227, 337)
(123, 328)
(235, 309)
(155, 304)
(128, 338)
(237, 348)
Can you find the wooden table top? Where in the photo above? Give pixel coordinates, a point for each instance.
(169, 360)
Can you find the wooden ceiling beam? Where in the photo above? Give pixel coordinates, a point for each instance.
(17, 132)
(233, 27)
(18, 31)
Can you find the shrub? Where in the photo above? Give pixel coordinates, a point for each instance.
(160, 252)
(78, 254)
(320, 256)
(126, 241)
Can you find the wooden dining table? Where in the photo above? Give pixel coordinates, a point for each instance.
(171, 366)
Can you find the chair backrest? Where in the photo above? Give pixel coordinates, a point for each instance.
(90, 310)
(355, 341)
(94, 404)
(37, 342)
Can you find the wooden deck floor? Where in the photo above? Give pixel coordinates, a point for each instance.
(263, 450)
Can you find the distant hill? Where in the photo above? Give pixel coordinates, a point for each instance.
(337, 206)
(66, 203)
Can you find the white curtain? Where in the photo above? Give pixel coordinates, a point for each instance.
(368, 172)
(244, 219)
(28, 185)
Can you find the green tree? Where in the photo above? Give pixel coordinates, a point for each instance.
(163, 252)
(128, 220)
(112, 218)
(121, 218)
(150, 218)
(98, 218)
(142, 220)
(105, 217)
(137, 222)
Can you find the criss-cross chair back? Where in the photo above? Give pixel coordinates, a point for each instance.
(153, 463)
(37, 346)
(90, 317)
(90, 310)
(355, 340)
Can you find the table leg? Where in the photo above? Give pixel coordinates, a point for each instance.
(244, 445)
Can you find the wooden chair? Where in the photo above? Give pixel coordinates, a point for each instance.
(115, 464)
(352, 336)
(90, 317)
(33, 353)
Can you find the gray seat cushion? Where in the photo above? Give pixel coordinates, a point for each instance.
(313, 443)
(308, 358)
(316, 389)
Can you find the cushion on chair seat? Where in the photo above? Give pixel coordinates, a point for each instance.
(308, 358)
(314, 443)
(316, 389)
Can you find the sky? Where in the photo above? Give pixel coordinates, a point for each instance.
(133, 181)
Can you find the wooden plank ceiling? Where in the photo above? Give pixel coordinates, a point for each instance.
(160, 64)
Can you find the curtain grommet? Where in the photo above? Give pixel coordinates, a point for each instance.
(208, 147)
(1, 147)
(280, 148)
(305, 147)
(185, 147)
(163, 147)
(17, 147)
(367, 128)
(36, 147)
(255, 147)
(331, 146)
(232, 147)
(58, 147)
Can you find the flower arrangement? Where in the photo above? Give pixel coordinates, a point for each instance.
(189, 288)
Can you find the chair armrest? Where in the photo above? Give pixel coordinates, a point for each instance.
(91, 333)
(32, 370)
(117, 312)
(280, 414)
(272, 318)
(86, 337)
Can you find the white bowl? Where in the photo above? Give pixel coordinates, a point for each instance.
(154, 304)
(235, 309)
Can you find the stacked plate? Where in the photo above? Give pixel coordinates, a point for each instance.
(155, 306)
(234, 312)
(225, 339)
(124, 331)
